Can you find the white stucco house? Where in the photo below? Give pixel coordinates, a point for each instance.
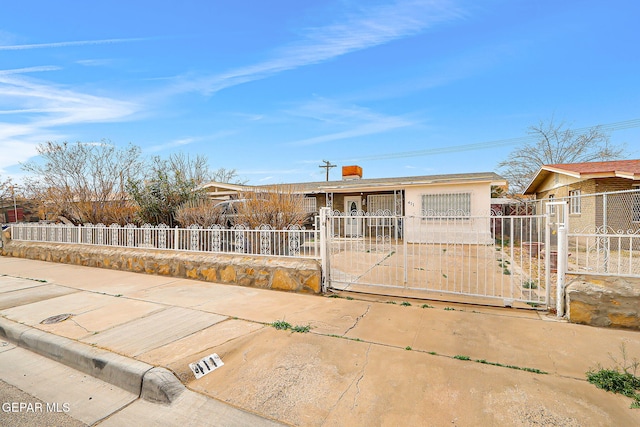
(433, 208)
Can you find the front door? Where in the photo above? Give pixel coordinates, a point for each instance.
(352, 220)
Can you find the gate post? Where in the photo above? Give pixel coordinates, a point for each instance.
(563, 258)
(324, 247)
(562, 223)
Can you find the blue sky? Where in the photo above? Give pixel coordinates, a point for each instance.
(271, 88)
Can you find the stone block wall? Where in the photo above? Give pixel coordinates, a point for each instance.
(604, 301)
(285, 274)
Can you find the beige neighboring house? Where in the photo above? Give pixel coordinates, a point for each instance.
(434, 195)
(599, 193)
(220, 191)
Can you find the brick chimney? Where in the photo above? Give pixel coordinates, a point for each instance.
(351, 172)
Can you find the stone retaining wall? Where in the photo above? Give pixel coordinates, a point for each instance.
(604, 301)
(286, 274)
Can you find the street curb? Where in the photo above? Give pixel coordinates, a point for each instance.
(155, 384)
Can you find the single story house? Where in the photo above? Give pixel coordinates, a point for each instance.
(600, 194)
(432, 196)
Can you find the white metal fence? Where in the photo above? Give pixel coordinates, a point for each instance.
(486, 256)
(291, 242)
(603, 232)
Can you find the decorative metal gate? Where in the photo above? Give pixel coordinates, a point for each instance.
(499, 257)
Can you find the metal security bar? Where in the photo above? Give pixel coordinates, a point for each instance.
(292, 242)
(485, 256)
(604, 233)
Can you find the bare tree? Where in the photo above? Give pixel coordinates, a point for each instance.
(84, 182)
(172, 184)
(555, 143)
(6, 186)
(228, 176)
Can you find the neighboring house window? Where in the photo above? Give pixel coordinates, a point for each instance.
(309, 204)
(453, 204)
(574, 202)
(380, 202)
(635, 207)
(552, 198)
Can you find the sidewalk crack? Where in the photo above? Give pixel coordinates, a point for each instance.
(364, 368)
(358, 320)
(356, 381)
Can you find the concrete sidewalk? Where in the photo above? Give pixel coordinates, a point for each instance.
(363, 362)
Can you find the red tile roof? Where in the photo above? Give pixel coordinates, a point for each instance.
(629, 169)
(625, 166)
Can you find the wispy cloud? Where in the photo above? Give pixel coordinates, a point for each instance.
(269, 171)
(384, 125)
(188, 140)
(368, 27)
(95, 62)
(69, 44)
(349, 121)
(40, 112)
(29, 70)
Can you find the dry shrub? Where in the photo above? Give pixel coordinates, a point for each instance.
(200, 211)
(279, 206)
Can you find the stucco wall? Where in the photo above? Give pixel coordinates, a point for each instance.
(475, 231)
(604, 301)
(286, 274)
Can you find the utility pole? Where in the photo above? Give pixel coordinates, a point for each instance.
(327, 166)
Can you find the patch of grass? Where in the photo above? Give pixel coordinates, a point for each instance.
(621, 379)
(530, 284)
(485, 362)
(506, 272)
(449, 309)
(426, 306)
(117, 295)
(301, 329)
(349, 298)
(408, 348)
(405, 304)
(281, 325)
(533, 304)
(444, 275)
(519, 368)
(391, 302)
(334, 296)
(344, 338)
(433, 353)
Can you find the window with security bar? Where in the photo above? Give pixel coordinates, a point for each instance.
(574, 202)
(635, 208)
(380, 202)
(310, 204)
(451, 204)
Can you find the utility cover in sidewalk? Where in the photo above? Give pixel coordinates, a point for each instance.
(56, 319)
(206, 365)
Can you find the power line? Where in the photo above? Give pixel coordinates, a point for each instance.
(609, 127)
